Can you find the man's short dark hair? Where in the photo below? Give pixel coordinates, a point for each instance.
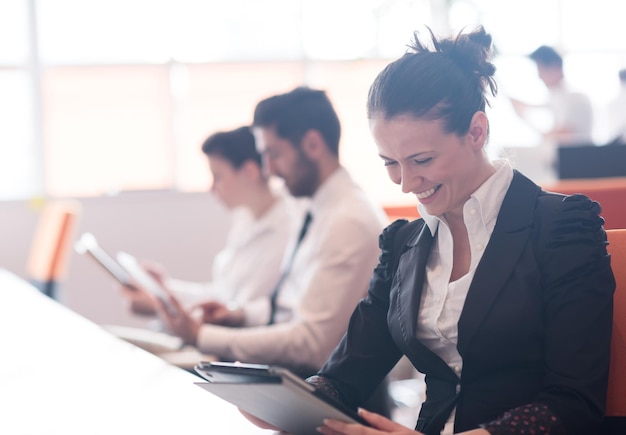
(294, 113)
(547, 56)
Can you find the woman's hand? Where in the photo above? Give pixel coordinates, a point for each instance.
(140, 301)
(179, 321)
(380, 425)
(257, 421)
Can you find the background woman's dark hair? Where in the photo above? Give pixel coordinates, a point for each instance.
(446, 82)
(294, 113)
(235, 146)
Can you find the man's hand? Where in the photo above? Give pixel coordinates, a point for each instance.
(221, 314)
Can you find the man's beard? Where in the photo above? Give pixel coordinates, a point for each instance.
(306, 177)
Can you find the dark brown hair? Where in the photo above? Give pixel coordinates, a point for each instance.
(235, 146)
(446, 82)
(294, 113)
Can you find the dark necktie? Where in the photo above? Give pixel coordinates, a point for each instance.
(285, 272)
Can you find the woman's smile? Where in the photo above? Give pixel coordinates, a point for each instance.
(427, 193)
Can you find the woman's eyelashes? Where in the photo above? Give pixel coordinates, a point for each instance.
(422, 161)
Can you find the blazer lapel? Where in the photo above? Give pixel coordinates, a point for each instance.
(405, 301)
(508, 239)
(407, 291)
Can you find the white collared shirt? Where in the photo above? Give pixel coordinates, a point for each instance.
(248, 266)
(442, 301)
(329, 275)
(572, 111)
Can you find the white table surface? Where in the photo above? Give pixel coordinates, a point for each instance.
(61, 374)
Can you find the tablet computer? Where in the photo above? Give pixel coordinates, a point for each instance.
(87, 244)
(275, 395)
(123, 267)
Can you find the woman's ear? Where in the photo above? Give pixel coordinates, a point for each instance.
(251, 170)
(478, 130)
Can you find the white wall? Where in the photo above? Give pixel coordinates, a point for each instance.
(183, 231)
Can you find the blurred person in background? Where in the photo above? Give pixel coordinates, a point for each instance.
(245, 270)
(567, 119)
(571, 111)
(616, 113)
(327, 266)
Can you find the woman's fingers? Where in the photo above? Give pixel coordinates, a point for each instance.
(379, 425)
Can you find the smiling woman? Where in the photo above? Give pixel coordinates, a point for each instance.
(496, 291)
(440, 169)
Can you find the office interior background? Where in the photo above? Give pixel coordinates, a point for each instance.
(108, 102)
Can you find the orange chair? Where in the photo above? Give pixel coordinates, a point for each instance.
(616, 398)
(609, 192)
(395, 212)
(51, 245)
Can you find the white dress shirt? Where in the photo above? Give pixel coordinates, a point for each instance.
(442, 301)
(329, 275)
(572, 111)
(616, 116)
(248, 266)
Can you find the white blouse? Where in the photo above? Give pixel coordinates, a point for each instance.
(442, 301)
(248, 266)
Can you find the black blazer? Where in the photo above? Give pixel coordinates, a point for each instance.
(535, 327)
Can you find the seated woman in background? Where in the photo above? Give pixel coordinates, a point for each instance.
(501, 293)
(248, 267)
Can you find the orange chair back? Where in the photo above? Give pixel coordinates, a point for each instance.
(616, 398)
(395, 212)
(51, 244)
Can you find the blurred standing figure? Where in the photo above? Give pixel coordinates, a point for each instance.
(616, 112)
(246, 269)
(572, 114)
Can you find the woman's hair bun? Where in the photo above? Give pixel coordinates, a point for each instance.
(470, 52)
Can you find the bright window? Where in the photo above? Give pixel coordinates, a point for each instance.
(120, 94)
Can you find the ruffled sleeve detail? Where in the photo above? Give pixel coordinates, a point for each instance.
(578, 215)
(386, 242)
(576, 233)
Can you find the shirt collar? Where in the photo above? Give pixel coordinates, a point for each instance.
(488, 197)
(331, 187)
